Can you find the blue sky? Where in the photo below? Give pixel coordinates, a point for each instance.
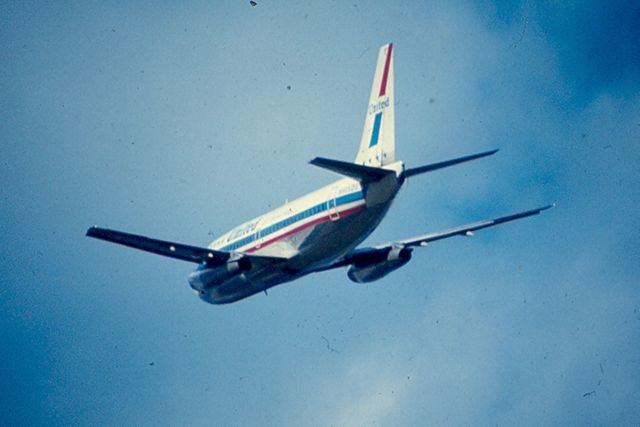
(177, 122)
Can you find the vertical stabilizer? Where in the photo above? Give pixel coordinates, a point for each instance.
(377, 146)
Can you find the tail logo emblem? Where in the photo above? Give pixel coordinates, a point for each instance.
(379, 106)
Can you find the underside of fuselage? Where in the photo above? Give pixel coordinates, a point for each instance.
(316, 246)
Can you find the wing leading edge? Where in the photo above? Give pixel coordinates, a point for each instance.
(379, 253)
(171, 249)
(468, 229)
(160, 247)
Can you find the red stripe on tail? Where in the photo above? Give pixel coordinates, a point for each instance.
(385, 74)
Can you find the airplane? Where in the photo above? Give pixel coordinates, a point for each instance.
(321, 230)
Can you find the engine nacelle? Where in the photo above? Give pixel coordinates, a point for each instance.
(368, 271)
(206, 277)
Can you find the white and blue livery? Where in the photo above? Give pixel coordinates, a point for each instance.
(321, 230)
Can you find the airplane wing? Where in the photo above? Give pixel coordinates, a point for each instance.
(468, 229)
(170, 249)
(380, 252)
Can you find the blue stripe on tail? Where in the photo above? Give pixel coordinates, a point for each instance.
(376, 129)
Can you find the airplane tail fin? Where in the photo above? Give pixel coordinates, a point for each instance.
(377, 146)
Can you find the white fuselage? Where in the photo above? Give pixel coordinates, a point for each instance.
(319, 231)
(310, 232)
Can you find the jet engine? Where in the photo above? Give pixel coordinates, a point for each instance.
(374, 268)
(206, 277)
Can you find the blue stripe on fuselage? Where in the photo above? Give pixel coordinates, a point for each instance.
(376, 129)
(314, 210)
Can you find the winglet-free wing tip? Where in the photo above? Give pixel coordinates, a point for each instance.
(95, 231)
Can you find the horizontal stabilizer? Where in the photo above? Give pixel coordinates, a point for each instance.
(361, 173)
(446, 163)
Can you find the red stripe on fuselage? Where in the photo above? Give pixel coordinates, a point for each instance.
(385, 74)
(303, 226)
